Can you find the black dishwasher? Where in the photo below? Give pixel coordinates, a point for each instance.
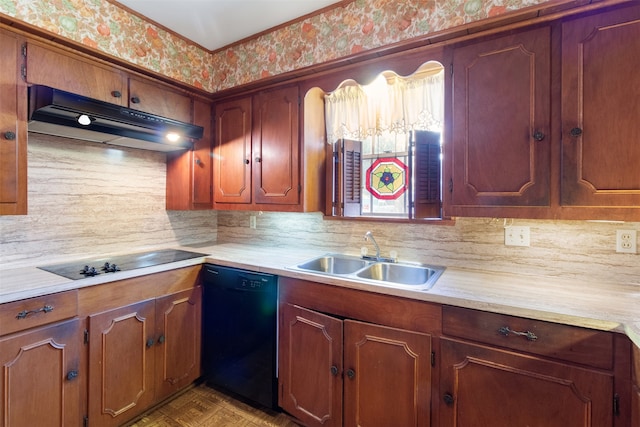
(239, 333)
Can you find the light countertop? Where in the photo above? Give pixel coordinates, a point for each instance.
(602, 306)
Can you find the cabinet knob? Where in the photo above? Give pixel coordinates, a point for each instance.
(258, 159)
(198, 162)
(135, 100)
(538, 135)
(72, 375)
(161, 339)
(246, 161)
(116, 93)
(575, 132)
(334, 370)
(150, 342)
(8, 135)
(448, 399)
(351, 374)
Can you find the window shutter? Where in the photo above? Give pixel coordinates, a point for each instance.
(349, 182)
(428, 202)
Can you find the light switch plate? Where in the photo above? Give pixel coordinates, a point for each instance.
(517, 236)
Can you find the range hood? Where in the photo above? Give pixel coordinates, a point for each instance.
(56, 112)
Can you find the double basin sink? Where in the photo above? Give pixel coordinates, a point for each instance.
(394, 274)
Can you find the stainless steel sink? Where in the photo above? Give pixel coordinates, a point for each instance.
(400, 275)
(334, 264)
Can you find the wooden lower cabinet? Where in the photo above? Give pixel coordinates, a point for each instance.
(142, 353)
(635, 388)
(484, 386)
(335, 372)
(41, 378)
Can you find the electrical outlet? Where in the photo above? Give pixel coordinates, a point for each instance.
(517, 236)
(252, 221)
(626, 241)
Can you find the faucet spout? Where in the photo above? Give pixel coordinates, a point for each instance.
(369, 235)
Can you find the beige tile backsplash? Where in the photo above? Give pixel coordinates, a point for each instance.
(88, 199)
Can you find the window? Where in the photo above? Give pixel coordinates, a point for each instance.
(385, 142)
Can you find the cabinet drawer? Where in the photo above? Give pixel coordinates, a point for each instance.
(569, 343)
(28, 313)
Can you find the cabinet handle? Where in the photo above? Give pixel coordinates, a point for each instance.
(575, 132)
(161, 339)
(198, 162)
(150, 342)
(530, 336)
(246, 161)
(135, 100)
(351, 374)
(258, 159)
(538, 135)
(334, 370)
(116, 94)
(72, 375)
(10, 136)
(24, 313)
(448, 399)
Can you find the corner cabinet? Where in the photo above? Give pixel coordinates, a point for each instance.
(501, 142)
(600, 111)
(500, 370)
(259, 154)
(13, 127)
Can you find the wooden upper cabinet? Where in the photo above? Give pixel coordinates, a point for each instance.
(276, 147)
(155, 98)
(601, 110)
(61, 70)
(190, 172)
(13, 128)
(232, 152)
(501, 123)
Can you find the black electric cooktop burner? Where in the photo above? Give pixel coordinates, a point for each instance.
(94, 267)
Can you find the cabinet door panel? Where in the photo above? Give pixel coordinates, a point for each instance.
(179, 331)
(13, 130)
(232, 152)
(121, 363)
(601, 98)
(276, 147)
(501, 109)
(202, 158)
(482, 386)
(59, 70)
(35, 390)
(388, 379)
(157, 99)
(310, 366)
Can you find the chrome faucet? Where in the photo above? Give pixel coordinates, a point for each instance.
(369, 235)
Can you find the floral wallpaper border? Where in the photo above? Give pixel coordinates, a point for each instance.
(359, 26)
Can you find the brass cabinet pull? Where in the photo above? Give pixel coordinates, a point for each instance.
(24, 313)
(530, 336)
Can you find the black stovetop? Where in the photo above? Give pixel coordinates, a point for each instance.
(97, 266)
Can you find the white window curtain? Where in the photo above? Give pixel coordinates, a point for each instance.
(394, 104)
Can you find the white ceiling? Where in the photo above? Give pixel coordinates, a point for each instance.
(217, 23)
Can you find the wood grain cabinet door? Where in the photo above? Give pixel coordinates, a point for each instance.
(501, 122)
(387, 379)
(40, 379)
(601, 110)
(179, 319)
(121, 363)
(232, 152)
(157, 99)
(60, 70)
(276, 147)
(13, 129)
(482, 386)
(310, 366)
